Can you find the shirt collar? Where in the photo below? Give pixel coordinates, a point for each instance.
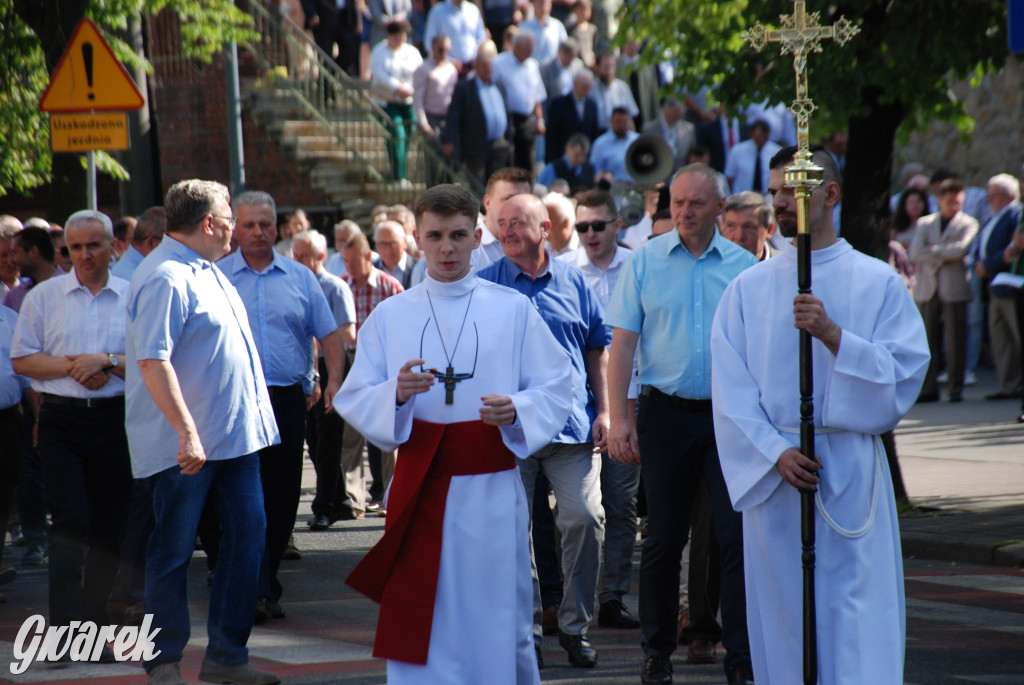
(71, 283)
(450, 288)
(516, 272)
(239, 263)
(184, 253)
(671, 240)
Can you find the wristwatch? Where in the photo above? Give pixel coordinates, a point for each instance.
(111, 361)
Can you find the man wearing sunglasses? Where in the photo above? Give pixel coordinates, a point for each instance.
(602, 260)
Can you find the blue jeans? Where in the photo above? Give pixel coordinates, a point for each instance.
(233, 488)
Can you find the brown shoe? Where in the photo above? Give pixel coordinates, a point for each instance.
(684, 623)
(549, 621)
(701, 652)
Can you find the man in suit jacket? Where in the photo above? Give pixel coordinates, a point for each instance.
(558, 73)
(989, 259)
(384, 12)
(572, 113)
(479, 130)
(719, 136)
(940, 244)
(674, 130)
(642, 80)
(333, 24)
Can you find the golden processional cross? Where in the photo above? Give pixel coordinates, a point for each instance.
(800, 35)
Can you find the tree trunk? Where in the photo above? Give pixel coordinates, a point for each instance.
(865, 220)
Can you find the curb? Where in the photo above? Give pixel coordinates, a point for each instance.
(1011, 555)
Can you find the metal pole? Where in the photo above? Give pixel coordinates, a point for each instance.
(90, 179)
(236, 156)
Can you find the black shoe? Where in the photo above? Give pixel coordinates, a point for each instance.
(657, 670)
(740, 674)
(540, 658)
(319, 522)
(956, 397)
(291, 552)
(1002, 396)
(581, 653)
(929, 397)
(267, 609)
(7, 574)
(614, 614)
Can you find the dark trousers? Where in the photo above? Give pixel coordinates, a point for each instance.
(324, 431)
(679, 447)
(704, 579)
(524, 128)
(954, 323)
(1019, 305)
(545, 545)
(31, 492)
(88, 477)
(338, 27)
(281, 476)
(497, 155)
(11, 449)
(131, 576)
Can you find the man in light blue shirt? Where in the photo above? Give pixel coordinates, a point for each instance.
(286, 309)
(608, 154)
(149, 231)
(666, 299)
(572, 461)
(198, 411)
(462, 23)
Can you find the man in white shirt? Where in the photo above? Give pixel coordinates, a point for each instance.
(460, 21)
(519, 74)
(747, 168)
(601, 261)
(392, 64)
(548, 32)
(502, 186)
(70, 340)
(610, 92)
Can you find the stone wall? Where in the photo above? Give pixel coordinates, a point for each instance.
(997, 144)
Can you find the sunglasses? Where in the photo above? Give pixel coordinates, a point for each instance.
(598, 226)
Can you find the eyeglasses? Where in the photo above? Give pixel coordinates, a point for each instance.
(598, 226)
(230, 219)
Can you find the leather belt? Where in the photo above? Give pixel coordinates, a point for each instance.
(88, 402)
(675, 400)
(277, 390)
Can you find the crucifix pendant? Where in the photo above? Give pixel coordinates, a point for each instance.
(449, 385)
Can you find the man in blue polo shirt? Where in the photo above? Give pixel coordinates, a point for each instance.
(287, 309)
(572, 462)
(666, 300)
(197, 412)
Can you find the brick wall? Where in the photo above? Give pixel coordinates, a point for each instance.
(189, 103)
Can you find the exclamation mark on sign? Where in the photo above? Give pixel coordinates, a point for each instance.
(87, 56)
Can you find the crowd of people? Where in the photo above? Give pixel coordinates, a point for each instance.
(165, 375)
(167, 383)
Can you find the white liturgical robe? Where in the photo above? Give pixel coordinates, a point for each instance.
(483, 612)
(862, 391)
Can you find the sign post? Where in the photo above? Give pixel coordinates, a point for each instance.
(87, 98)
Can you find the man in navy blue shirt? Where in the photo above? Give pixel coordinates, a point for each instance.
(572, 462)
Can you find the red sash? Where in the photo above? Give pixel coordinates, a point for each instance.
(400, 571)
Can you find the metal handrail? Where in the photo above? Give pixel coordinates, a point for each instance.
(326, 94)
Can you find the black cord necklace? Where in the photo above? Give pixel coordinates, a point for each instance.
(449, 377)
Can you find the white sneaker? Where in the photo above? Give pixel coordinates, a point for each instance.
(942, 378)
(970, 378)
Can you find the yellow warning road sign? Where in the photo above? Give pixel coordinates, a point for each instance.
(89, 77)
(83, 132)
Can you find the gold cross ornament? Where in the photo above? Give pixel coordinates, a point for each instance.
(800, 35)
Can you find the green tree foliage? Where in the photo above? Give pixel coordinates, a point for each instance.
(34, 35)
(891, 78)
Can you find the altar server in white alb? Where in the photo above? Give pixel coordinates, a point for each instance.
(475, 379)
(870, 355)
